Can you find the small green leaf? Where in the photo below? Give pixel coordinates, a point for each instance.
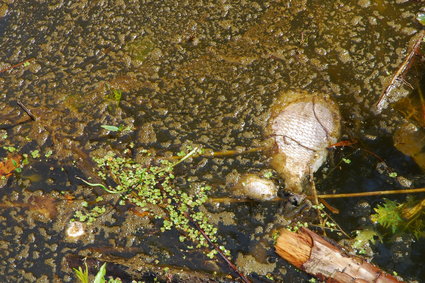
(25, 161)
(35, 154)
(346, 160)
(10, 148)
(268, 174)
(110, 128)
(82, 275)
(100, 276)
(48, 154)
(364, 237)
(181, 153)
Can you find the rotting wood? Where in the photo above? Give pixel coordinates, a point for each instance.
(398, 77)
(311, 253)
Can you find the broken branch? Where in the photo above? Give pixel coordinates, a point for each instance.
(399, 75)
(311, 253)
(17, 65)
(26, 110)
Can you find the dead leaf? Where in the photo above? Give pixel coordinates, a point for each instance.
(9, 164)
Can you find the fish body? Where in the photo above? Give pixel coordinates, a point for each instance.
(302, 125)
(255, 187)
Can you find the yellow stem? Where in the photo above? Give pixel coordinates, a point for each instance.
(377, 193)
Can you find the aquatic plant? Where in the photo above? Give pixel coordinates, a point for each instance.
(401, 217)
(325, 222)
(83, 275)
(113, 95)
(363, 239)
(89, 216)
(35, 154)
(153, 185)
(121, 128)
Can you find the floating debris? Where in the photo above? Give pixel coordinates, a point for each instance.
(75, 230)
(302, 125)
(10, 164)
(255, 187)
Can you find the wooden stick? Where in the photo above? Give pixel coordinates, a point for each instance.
(225, 153)
(26, 110)
(218, 249)
(376, 193)
(421, 97)
(17, 65)
(311, 253)
(326, 196)
(397, 78)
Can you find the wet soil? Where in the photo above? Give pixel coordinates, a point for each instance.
(178, 73)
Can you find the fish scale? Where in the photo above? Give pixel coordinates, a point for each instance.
(302, 125)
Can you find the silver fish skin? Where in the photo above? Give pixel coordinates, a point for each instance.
(302, 125)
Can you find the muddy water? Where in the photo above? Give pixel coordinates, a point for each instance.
(190, 72)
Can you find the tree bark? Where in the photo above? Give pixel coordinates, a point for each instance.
(316, 256)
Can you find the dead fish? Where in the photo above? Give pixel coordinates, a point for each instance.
(255, 187)
(301, 125)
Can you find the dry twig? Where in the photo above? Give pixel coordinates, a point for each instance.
(16, 65)
(401, 72)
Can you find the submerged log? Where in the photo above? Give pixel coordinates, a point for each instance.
(316, 256)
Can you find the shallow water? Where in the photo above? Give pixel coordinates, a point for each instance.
(195, 73)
